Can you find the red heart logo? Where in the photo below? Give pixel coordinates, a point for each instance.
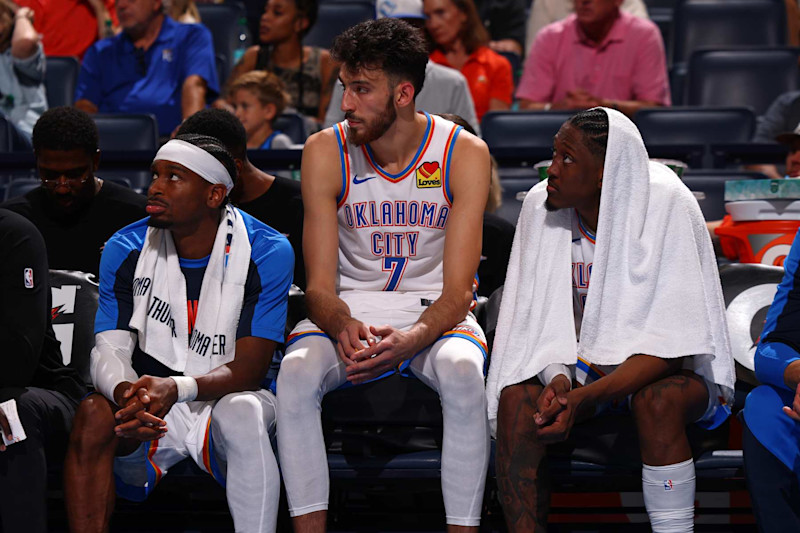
(429, 168)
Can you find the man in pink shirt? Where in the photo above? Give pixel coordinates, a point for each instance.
(598, 56)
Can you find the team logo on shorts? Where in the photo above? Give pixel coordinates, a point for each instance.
(28, 277)
(429, 175)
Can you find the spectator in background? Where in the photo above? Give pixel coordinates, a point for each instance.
(22, 98)
(75, 211)
(183, 11)
(505, 22)
(307, 71)
(258, 98)
(70, 27)
(445, 89)
(33, 375)
(274, 200)
(598, 56)
(544, 12)
(155, 65)
(782, 115)
(460, 41)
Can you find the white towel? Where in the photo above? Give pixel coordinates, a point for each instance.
(160, 313)
(654, 288)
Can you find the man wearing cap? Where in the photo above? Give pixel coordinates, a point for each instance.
(192, 304)
(445, 89)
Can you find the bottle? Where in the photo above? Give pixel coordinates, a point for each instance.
(242, 40)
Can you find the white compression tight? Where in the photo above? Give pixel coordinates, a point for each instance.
(452, 366)
(241, 424)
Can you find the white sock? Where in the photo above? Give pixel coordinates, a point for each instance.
(669, 496)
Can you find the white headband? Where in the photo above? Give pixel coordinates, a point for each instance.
(197, 160)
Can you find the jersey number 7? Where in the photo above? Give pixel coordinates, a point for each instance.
(396, 266)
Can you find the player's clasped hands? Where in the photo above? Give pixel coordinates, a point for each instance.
(386, 349)
(555, 411)
(146, 402)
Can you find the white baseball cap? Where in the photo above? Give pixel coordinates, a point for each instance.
(399, 9)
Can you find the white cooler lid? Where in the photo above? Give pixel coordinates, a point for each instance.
(753, 210)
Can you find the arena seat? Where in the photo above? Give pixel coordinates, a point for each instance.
(61, 77)
(703, 125)
(127, 131)
(723, 23)
(662, 126)
(521, 129)
(708, 187)
(741, 77)
(223, 20)
(335, 17)
(512, 197)
(293, 125)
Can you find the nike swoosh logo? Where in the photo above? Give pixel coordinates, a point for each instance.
(356, 181)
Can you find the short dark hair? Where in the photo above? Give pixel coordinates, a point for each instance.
(213, 146)
(594, 125)
(221, 125)
(65, 128)
(388, 44)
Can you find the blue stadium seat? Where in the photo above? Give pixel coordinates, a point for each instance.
(512, 186)
(223, 22)
(335, 17)
(708, 187)
(702, 125)
(740, 77)
(293, 125)
(123, 132)
(723, 23)
(61, 77)
(521, 129)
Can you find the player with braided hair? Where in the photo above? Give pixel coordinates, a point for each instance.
(669, 371)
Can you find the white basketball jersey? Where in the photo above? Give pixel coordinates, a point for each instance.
(582, 258)
(392, 226)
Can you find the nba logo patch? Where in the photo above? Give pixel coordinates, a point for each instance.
(429, 175)
(28, 276)
(667, 484)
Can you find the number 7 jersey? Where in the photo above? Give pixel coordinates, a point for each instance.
(392, 226)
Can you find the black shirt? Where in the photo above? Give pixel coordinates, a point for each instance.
(31, 354)
(75, 241)
(281, 207)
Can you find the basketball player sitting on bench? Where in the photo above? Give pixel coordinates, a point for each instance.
(192, 304)
(392, 237)
(645, 303)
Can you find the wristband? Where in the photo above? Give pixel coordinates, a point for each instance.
(547, 106)
(187, 388)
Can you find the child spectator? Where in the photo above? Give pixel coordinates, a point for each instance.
(258, 97)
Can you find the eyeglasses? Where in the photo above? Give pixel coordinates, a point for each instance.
(74, 177)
